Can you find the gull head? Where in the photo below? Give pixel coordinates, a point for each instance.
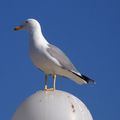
(29, 25)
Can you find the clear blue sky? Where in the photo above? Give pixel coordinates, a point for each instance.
(88, 31)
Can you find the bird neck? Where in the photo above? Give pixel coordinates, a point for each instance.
(37, 38)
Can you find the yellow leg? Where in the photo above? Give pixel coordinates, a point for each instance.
(46, 80)
(54, 82)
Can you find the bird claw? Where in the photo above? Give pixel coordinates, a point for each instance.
(49, 89)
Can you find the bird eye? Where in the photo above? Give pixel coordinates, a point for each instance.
(26, 21)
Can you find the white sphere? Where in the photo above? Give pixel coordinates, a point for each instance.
(52, 105)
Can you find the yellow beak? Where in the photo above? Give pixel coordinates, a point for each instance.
(18, 27)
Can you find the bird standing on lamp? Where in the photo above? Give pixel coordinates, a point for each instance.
(48, 58)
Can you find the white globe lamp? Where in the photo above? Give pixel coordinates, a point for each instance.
(52, 105)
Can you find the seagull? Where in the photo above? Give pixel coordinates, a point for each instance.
(49, 58)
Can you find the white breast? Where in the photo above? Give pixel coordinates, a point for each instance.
(41, 59)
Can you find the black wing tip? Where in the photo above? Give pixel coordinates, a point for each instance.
(85, 78)
(88, 80)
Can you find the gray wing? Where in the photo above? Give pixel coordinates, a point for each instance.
(61, 57)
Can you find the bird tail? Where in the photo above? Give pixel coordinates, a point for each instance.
(79, 78)
(84, 78)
